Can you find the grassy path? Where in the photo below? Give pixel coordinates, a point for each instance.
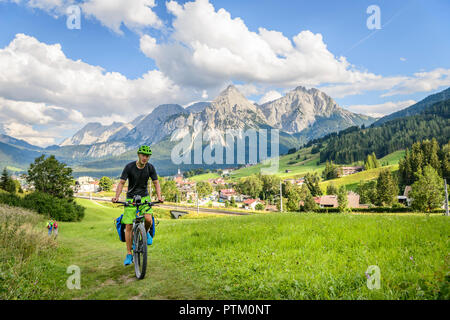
(271, 256)
(95, 248)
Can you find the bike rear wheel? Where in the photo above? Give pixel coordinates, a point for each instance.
(140, 252)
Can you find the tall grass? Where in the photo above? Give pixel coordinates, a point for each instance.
(26, 253)
(313, 256)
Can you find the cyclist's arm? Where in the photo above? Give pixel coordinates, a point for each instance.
(158, 190)
(119, 190)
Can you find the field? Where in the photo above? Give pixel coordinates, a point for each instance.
(267, 256)
(297, 167)
(204, 176)
(393, 158)
(352, 181)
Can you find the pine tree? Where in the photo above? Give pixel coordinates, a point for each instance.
(342, 199)
(312, 182)
(4, 179)
(387, 189)
(445, 165)
(331, 189)
(330, 171)
(433, 156)
(7, 183)
(375, 162)
(427, 192)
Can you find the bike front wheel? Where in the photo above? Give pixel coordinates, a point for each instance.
(140, 252)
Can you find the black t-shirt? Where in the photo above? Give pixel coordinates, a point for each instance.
(138, 178)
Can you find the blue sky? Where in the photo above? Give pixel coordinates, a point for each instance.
(167, 48)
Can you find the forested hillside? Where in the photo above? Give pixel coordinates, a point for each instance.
(354, 144)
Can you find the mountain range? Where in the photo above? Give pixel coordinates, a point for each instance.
(302, 112)
(301, 115)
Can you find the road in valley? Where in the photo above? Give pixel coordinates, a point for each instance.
(175, 207)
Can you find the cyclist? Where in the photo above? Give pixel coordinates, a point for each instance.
(137, 172)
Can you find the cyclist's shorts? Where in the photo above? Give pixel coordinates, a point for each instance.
(130, 212)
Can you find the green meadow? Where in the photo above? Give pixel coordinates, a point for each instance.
(261, 256)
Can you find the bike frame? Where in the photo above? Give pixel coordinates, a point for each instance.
(139, 226)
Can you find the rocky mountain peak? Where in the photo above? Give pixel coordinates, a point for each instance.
(231, 109)
(232, 100)
(301, 108)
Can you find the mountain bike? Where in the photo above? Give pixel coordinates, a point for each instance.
(139, 236)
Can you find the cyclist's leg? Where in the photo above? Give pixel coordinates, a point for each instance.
(147, 214)
(128, 217)
(129, 237)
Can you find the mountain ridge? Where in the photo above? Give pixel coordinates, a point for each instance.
(417, 107)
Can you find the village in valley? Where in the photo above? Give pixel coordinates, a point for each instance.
(224, 192)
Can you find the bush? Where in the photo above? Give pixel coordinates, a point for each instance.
(47, 205)
(260, 207)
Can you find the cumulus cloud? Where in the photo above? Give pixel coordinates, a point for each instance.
(37, 113)
(135, 15)
(27, 133)
(208, 48)
(37, 72)
(380, 110)
(39, 85)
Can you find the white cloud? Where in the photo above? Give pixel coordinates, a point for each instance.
(39, 85)
(270, 96)
(248, 89)
(47, 5)
(209, 48)
(402, 59)
(27, 133)
(41, 73)
(380, 110)
(395, 85)
(135, 14)
(422, 82)
(37, 113)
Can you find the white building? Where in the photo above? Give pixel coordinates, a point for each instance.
(85, 180)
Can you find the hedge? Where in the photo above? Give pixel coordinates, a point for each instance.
(45, 204)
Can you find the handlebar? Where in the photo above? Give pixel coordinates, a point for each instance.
(146, 202)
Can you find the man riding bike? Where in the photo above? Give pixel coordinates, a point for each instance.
(137, 172)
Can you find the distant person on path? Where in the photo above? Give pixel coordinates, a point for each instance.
(49, 227)
(55, 228)
(138, 173)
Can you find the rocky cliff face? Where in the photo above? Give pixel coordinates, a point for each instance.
(302, 109)
(309, 112)
(151, 127)
(95, 132)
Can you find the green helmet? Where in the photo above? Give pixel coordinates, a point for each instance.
(145, 150)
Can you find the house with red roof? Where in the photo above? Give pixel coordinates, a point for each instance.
(251, 203)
